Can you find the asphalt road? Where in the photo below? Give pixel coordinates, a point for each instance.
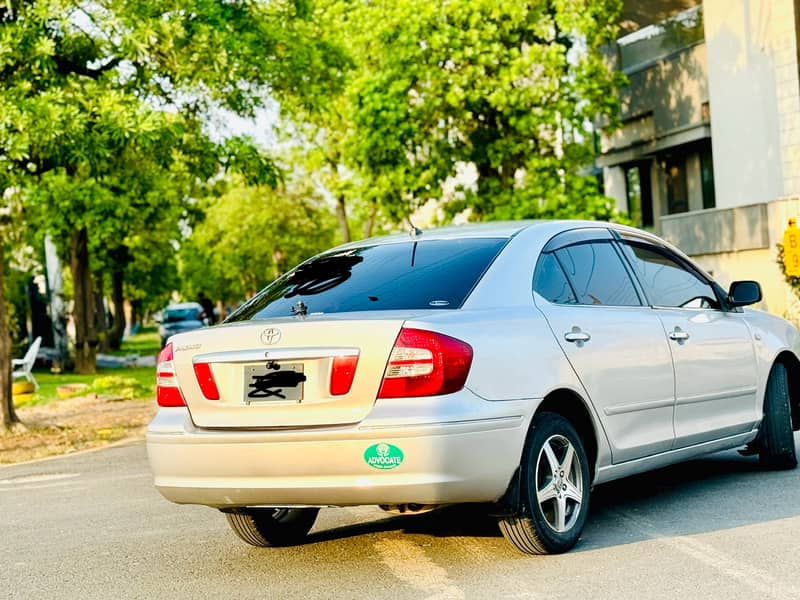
(92, 526)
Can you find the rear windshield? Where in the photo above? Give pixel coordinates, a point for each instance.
(401, 276)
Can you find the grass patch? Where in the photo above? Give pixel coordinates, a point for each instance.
(135, 382)
(146, 342)
(118, 384)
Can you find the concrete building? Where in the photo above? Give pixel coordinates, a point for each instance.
(708, 154)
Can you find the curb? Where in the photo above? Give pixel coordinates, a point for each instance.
(128, 441)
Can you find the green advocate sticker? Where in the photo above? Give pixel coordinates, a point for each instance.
(383, 456)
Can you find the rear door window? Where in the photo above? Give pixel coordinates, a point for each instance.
(596, 275)
(424, 274)
(550, 282)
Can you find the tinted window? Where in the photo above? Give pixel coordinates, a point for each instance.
(597, 274)
(401, 276)
(172, 315)
(550, 282)
(666, 281)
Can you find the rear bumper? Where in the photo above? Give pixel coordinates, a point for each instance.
(467, 458)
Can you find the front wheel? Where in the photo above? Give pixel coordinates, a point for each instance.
(776, 436)
(555, 489)
(266, 527)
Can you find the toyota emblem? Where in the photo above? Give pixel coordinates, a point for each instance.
(271, 336)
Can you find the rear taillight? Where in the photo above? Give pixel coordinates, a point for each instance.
(425, 363)
(342, 373)
(167, 391)
(205, 378)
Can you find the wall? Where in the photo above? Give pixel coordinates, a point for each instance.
(751, 47)
(758, 265)
(741, 243)
(615, 186)
(673, 89)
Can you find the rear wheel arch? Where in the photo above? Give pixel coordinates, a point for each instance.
(571, 406)
(789, 360)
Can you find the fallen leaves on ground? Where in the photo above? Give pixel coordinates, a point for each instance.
(73, 424)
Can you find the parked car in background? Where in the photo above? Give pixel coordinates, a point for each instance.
(179, 318)
(517, 364)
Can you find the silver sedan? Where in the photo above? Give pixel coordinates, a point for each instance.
(517, 364)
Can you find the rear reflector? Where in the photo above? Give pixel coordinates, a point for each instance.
(342, 374)
(425, 363)
(167, 391)
(205, 378)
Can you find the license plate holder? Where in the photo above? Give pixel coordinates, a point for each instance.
(274, 382)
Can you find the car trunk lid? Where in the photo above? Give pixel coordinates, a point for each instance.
(279, 374)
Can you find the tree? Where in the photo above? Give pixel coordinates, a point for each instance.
(10, 217)
(7, 413)
(90, 87)
(249, 236)
(508, 88)
(321, 116)
(85, 97)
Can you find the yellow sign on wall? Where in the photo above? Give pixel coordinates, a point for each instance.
(791, 249)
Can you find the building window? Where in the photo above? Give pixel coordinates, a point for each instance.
(707, 178)
(677, 190)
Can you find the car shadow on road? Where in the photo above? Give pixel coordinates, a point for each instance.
(461, 520)
(718, 492)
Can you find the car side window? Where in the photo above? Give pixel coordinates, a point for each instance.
(550, 282)
(596, 274)
(666, 281)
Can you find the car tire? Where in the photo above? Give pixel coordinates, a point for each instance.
(265, 527)
(776, 437)
(554, 499)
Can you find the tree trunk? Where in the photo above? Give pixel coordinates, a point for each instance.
(101, 323)
(341, 214)
(9, 416)
(118, 298)
(83, 312)
(136, 310)
(370, 223)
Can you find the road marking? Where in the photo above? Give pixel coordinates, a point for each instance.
(757, 579)
(409, 563)
(42, 477)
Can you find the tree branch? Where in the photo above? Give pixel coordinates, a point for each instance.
(67, 67)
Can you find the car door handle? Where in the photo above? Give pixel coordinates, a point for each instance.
(576, 336)
(678, 335)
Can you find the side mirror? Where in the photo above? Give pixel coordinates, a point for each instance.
(744, 293)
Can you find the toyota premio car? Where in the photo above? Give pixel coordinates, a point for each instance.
(517, 364)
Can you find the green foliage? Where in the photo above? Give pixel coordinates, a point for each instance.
(146, 342)
(508, 88)
(792, 280)
(249, 236)
(16, 298)
(119, 387)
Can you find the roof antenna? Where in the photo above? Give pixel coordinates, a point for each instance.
(415, 231)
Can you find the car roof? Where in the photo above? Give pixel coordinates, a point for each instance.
(497, 229)
(184, 306)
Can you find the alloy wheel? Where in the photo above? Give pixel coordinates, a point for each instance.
(559, 483)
